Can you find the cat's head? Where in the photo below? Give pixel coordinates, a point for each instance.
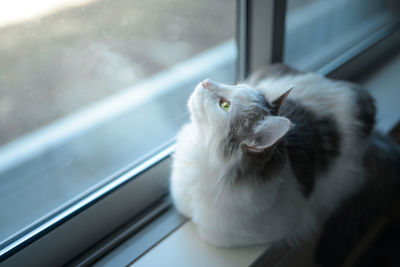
(237, 118)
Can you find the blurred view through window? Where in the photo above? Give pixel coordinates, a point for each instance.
(319, 31)
(87, 87)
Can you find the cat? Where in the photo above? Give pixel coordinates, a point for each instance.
(272, 159)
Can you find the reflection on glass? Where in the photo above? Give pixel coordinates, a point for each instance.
(317, 31)
(89, 86)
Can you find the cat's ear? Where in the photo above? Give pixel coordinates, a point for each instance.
(277, 103)
(268, 133)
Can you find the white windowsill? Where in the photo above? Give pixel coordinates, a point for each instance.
(184, 247)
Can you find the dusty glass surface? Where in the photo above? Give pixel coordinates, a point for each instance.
(318, 31)
(87, 87)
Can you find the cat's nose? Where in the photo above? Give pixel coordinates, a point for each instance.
(209, 84)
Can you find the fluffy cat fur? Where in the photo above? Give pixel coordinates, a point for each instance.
(278, 163)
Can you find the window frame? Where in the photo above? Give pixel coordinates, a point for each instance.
(125, 198)
(260, 34)
(260, 42)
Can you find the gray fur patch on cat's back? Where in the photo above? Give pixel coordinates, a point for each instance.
(312, 144)
(365, 109)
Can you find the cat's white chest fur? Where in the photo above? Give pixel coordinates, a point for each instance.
(234, 215)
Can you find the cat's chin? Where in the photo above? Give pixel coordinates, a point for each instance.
(196, 108)
(191, 105)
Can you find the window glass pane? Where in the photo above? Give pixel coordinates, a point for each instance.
(87, 87)
(317, 31)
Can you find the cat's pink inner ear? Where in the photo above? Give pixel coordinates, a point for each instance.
(268, 133)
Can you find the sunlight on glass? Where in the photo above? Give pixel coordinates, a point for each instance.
(87, 87)
(21, 10)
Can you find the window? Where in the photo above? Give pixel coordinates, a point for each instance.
(317, 32)
(89, 88)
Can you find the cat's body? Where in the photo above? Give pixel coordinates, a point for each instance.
(275, 164)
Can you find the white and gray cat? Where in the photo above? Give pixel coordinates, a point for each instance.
(278, 157)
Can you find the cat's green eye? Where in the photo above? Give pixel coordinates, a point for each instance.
(224, 104)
